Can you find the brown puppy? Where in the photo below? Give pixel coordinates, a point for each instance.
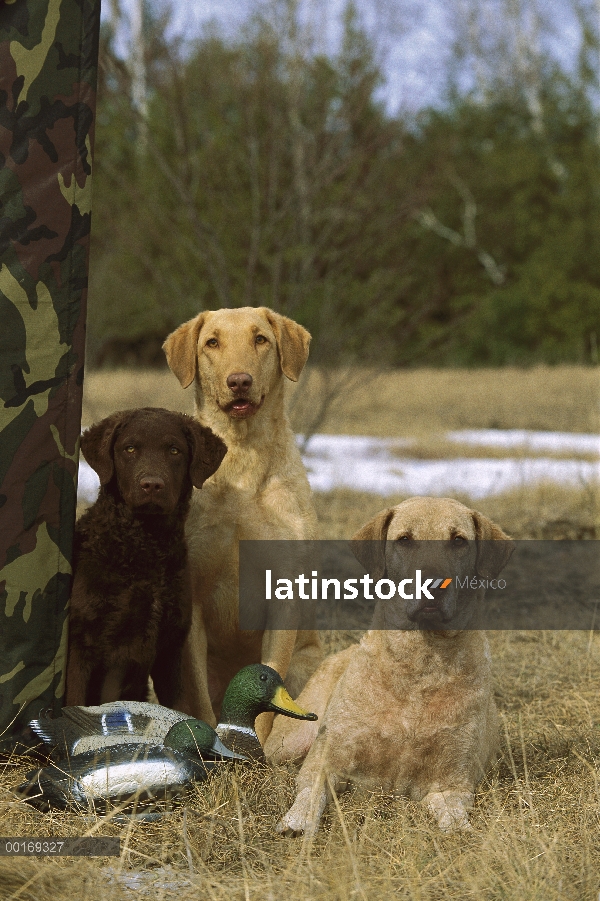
(240, 360)
(130, 604)
(409, 710)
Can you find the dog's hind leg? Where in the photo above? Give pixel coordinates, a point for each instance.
(112, 686)
(194, 697)
(166, 670)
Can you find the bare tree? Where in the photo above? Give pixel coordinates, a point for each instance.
(468, 237)
(139, 87)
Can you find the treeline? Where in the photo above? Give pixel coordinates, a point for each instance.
(253, 171)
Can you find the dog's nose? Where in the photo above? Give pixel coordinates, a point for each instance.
(152, 485)
(239, 382)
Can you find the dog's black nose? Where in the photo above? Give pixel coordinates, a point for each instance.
(152, 485)
(239, 382)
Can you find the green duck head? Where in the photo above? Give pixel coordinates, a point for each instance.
(258, 689)
(197, 739)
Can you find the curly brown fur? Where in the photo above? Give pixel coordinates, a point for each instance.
(130, 604)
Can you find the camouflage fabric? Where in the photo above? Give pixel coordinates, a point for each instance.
(48, 62)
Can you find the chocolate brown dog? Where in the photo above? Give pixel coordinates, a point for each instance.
(130, 604)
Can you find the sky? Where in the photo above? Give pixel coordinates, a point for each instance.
(414, 35)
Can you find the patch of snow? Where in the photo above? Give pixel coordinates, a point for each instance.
(88, 483)
(548, 441)
(372, 464)
(476, 478)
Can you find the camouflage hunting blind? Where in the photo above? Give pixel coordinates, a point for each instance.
(48, 62)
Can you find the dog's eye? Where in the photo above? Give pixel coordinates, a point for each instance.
(260, 339)
(458, 539)
(130, 449)
(174, 450)
(212, 342)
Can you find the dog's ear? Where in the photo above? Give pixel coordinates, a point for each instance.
(494, 547)
(181, 349)
(368, 545)
(207, 452)
(292, 343)
(97, 446)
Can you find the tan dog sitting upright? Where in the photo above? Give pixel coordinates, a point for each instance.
(240, 360)
(409, 710)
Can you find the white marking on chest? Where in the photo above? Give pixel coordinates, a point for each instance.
(244, 730)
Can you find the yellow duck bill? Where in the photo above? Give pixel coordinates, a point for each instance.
(283, 703)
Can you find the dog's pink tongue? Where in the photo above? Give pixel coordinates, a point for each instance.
(241, 404)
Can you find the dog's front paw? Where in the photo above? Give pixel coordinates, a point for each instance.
(456, 822)
(291, 826)
(451, 810)
(303, 816)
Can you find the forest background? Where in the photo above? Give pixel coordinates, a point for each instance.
(246, 166)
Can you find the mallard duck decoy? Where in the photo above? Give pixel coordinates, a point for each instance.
(122, 774)
(255, 689)
(127, 773)
(81, 729)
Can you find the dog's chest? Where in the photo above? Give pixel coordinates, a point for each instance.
(222, 514)
(131, 615)
(120, 606)
(404, 744)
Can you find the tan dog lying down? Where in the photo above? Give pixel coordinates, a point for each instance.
(240, 361)
(410, 712)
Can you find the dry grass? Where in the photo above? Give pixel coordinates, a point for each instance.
(433, 448)
(423, 402)
(537, 816)
(120, 389)
(548, 511)
(400, 403)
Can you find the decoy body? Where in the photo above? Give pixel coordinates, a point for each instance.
(124, 773)
(130, 751)
(117, 775)
(81, 729)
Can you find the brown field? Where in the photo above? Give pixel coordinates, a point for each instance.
(536, 833)
(546, 511)
(420, 404)
(411, 402)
